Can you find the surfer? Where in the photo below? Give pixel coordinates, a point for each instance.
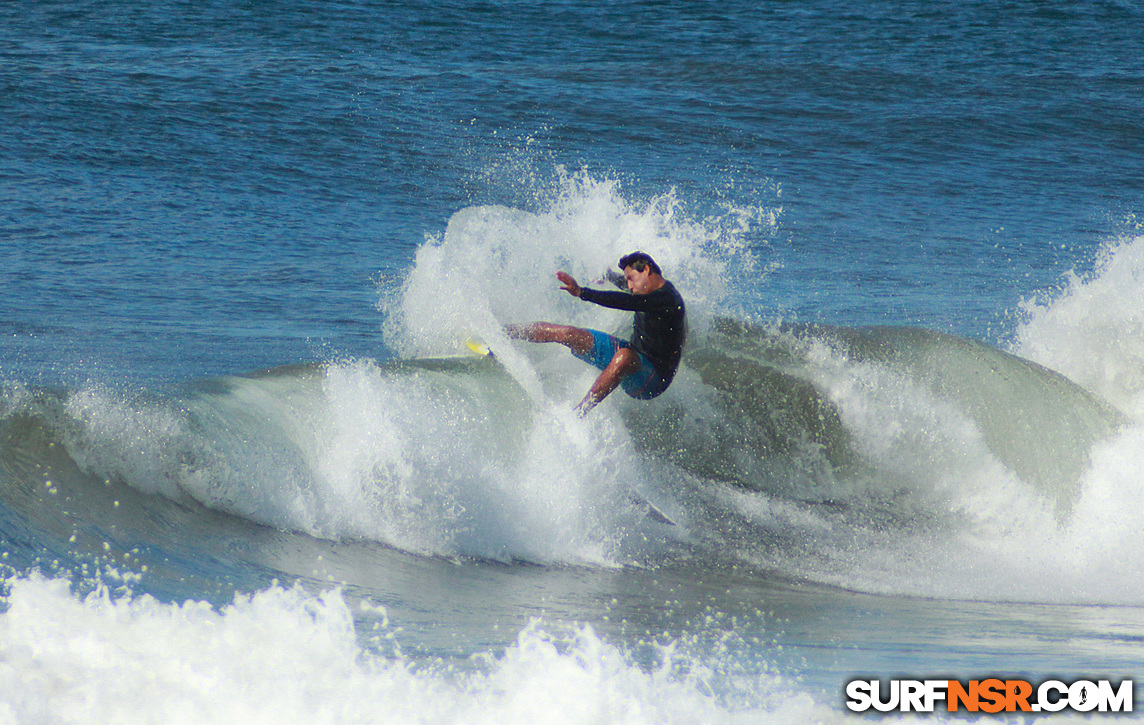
(643, 366)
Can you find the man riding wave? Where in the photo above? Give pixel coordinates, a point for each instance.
(645, 365)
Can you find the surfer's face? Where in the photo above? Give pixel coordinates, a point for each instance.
(640, 283)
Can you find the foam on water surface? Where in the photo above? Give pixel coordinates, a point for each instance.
(283, 655)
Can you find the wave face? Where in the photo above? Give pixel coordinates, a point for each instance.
(882, 459)
(877, 436)
(811, 411)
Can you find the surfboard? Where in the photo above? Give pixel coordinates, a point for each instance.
(651, 511)
(475, 354)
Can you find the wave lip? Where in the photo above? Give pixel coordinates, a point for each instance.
(1092, 327)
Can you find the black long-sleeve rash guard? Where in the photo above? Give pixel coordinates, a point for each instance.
(658, 331)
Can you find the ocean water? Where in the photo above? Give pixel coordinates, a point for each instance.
(248, 472)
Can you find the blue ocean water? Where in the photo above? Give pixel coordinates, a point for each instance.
(248, 472)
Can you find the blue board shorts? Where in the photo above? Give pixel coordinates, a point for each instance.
(644, 384)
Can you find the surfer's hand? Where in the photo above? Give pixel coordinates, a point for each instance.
(569, 284)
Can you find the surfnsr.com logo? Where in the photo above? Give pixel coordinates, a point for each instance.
(989, 696)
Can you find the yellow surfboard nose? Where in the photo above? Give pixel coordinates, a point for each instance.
(478, 347)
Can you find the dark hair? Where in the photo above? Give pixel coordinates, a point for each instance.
(640, 261)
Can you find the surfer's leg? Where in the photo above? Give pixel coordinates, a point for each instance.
(625, 362)
(576, 339)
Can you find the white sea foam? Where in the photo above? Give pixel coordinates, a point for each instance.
(496, 265)
(432, 463)
(1007, 540)
(937, 508)
(283, 655)
(1091, 329)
